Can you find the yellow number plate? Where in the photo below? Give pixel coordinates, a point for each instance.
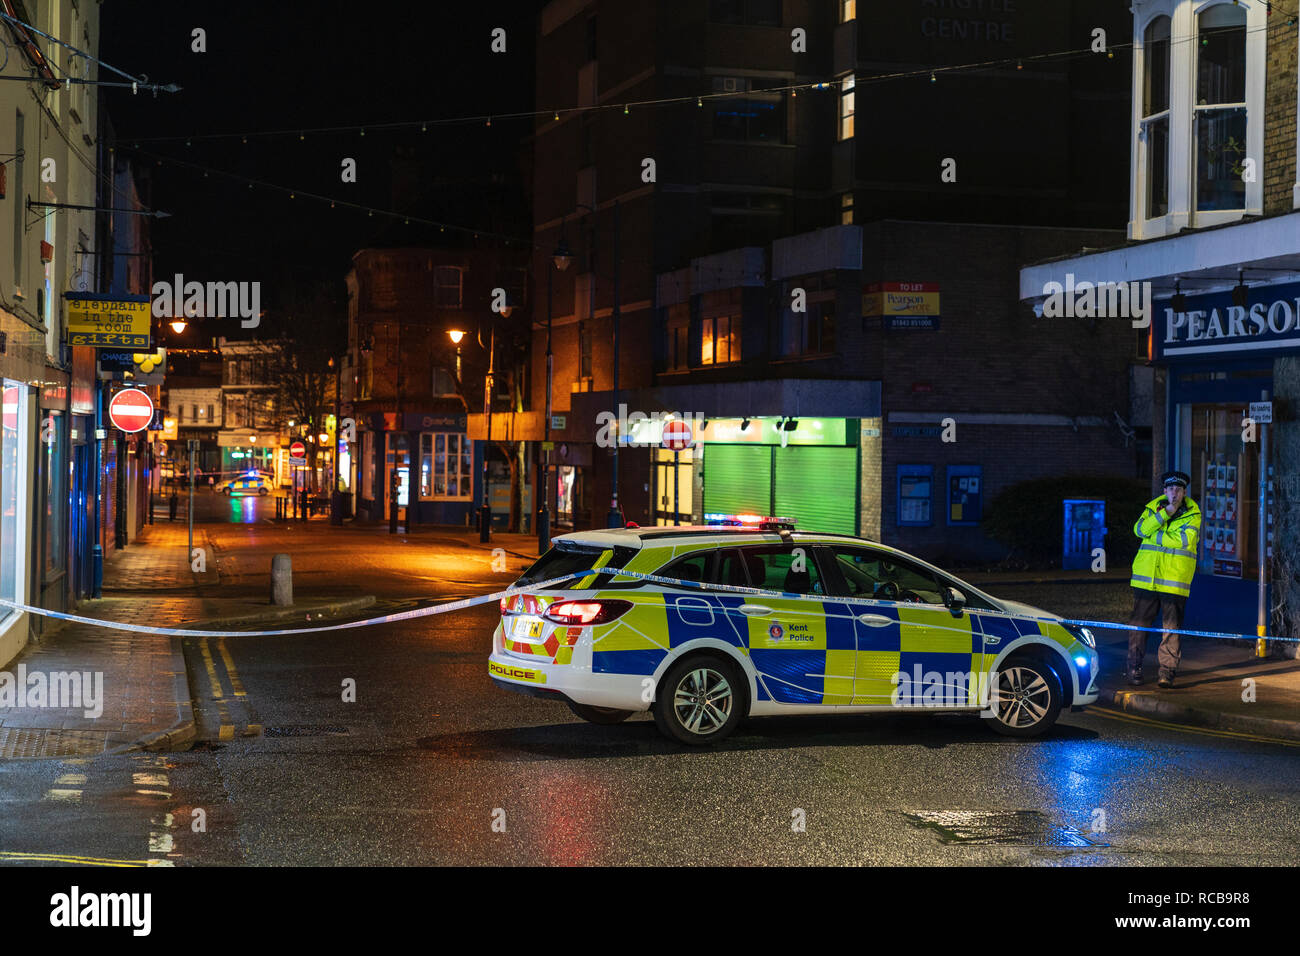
(530, 627)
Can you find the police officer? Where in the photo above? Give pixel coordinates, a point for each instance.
(1170, 527)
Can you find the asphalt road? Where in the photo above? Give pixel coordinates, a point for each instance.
(432, 764)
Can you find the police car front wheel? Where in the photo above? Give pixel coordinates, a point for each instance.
(700, 700)
(1026, 699)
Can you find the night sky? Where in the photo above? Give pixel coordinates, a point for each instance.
(272, 66)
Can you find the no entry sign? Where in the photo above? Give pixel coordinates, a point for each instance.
(130, 410)
(298, 453)
(677, 435)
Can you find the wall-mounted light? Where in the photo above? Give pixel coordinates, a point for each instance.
(178, 325)
(1179, 301)
(456, 336)
(1240, 292)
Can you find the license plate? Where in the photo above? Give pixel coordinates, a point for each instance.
(530, 627)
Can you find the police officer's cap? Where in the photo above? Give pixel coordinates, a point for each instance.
(1175, 478)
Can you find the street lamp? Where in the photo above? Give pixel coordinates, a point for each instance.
(456, 335)
(178, 325)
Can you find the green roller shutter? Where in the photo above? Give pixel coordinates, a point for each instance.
(818, 487)
(737, 479)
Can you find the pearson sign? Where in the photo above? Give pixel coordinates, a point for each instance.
(1211, 324)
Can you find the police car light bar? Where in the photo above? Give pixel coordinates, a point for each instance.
(757, 522)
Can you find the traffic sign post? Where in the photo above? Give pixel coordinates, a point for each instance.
(677, 435)
(130, 410)
(193, 444)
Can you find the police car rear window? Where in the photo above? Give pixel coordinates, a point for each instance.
(567, 558)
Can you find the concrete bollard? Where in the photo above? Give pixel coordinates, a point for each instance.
(282, 580)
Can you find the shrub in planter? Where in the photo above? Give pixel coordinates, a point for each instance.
(1029, 519)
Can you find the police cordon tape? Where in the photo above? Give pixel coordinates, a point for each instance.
(527, 586)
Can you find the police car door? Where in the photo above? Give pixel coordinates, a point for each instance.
(912, 651)
(802, 648)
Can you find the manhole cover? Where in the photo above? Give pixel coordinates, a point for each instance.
(304, 730)
(998, 828)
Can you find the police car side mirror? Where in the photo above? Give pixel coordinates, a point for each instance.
(954, 600)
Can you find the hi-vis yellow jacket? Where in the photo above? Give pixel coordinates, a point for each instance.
(1167, 559)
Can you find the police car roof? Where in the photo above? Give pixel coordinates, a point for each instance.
(638, 537)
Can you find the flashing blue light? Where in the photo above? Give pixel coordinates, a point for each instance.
(1081, 661)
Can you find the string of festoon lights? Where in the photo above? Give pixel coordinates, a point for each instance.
(933, 73)
(1287, 20)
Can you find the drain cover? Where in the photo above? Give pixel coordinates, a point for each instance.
(24, 742)
(304, 730)
(998, 828)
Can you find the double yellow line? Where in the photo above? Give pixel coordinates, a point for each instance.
(78, 860)
(1184, 729)
(227, 731)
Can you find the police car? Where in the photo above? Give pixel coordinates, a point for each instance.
(704, 626)
(251, 483)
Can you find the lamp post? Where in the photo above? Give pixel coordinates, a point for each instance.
(615, 519)
(485, 513)
(561, 260)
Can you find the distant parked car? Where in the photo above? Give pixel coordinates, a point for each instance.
(248, 484)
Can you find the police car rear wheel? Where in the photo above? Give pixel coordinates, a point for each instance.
(599, 715)
(1028, 698)
(700, 701)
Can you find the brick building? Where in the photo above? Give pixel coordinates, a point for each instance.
(760, 190)
(1214, 228)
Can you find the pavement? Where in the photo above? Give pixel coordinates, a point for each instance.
(134, 691)
(149, 698)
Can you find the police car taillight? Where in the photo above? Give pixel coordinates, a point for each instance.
(586, 612)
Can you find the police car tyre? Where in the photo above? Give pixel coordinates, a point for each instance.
(599, 715)
(1029, 697)
(700, 700)
(263, 490)
(226, 490)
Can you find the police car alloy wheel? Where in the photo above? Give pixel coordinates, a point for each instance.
(700, 700)
(1028, 698)
(599, 715)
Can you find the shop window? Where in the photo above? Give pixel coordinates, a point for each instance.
(1225, 485)
(915, 495)
(53, 448)
(446, 464)
(13, 506)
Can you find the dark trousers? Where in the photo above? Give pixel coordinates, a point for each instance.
(1146, 606)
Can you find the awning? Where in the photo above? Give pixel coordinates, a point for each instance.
(1204, 260)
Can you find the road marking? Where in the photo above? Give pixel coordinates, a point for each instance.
(149, 779)
(211, 667)
(71, 780)
(233, 674)
(1181, 728)
(81, 860)
(64, 796)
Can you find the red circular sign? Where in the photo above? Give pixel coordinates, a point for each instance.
(677, 435)
(297, 450)
(131, 410)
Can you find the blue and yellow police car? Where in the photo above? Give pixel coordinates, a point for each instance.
(704, 626)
